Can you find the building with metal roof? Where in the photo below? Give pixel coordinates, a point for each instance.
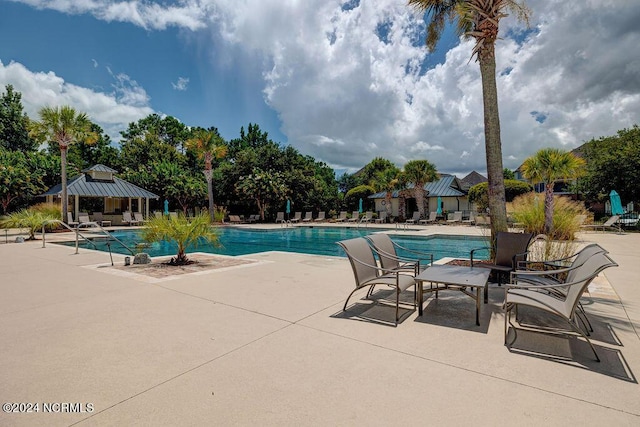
(99, 181)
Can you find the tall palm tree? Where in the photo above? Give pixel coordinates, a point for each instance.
(419, 172)
(209, 145)
(64, 126)
(386, 180)
(550, 165)
(479, 19)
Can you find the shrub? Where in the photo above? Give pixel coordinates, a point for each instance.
(31, 219)
(512, 189)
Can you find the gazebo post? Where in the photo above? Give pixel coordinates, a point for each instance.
(76, 202)
(129, 204)
(146, 208)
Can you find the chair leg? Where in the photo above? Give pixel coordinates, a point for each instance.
(397, 305)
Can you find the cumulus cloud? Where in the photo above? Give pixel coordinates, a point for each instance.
(113, 111)
(181, 84)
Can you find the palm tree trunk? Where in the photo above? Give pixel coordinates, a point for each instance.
(419, 195)
(493, 146)
(209, 176)
(63, 178)
(548, 209)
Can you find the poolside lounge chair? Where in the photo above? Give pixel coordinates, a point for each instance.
(342, 217)
(382, 218)
(367, 273)
(457, 217)
(320, 218)
(525, 294)
(235, 219)
(253, 218)
(432, 218)
(414, 219)
(280, 217)
(70, 221)
(83, 217)
(510, 248)
(308, 217)
(471, 219)
(610, 224)
(368, 217)
(139, 217)
(355, 217)
(297, 217)
(483, 220)
(126, 219)
(99, 219)
(173, 215)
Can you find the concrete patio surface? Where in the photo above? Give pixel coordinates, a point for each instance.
(268, 344)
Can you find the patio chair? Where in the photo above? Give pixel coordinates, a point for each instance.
(355, 217)
(342, 217)
(235, 219)
(457, 217)
(368, 274)
(382, 218)
(308, 217)
(173, 215)
(297, 217)
(321, 217)
(525, 294)
(432, 218)
(483, 220)
(387, 251)
(126, 219)
(280, 217)
(70, 221)
(610, 224)
(83, 218)
(99, 219)
(471, 219)
(368, 217)
(414, 219)
(139, 217)
(510, 248)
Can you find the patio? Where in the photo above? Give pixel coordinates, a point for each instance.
(267, 343)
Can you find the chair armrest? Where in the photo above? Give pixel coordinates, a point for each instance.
(378, 268)
(510, 286)
(485, 248)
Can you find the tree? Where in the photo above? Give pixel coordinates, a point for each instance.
(508, 174)
(479, 19)
(182, 232)
(512, 189)
(17, 178)
(264, 187)
(14, 123)
(387, 181)
(64, 126)
(548, 166)
(208, 145)
(418, 173)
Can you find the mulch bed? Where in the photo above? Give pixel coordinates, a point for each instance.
(467, 263)
(160, 268)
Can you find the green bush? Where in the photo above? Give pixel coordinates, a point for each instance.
(512, 189)
(31, 219)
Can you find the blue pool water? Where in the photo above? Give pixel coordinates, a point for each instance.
(309, 240)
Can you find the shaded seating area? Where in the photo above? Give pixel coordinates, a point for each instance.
(368, 274)
(99, 219)
(510, 248)
(559, 300)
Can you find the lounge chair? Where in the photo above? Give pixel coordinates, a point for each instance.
(253, 218)
(610, 224)
(457, 217)
(70, 221)
(510, 249)
(483, 220)
(297, 217)
(280, 217)
(173, 215)
(235, 219)
(387, 251)
(99, 219)
(414, 219)
(382, 218)
(158, 214)
(126, 219)
(308, 217)
(342, 217)
(368, 217)
(432, 218)
(355, 217)
(320, 218)
(368, 274)
(83, 218)
(139, 217)
(471, 219)
(525, 294)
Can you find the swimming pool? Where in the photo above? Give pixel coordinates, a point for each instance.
(309, 240)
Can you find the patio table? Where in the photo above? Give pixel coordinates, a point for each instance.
(457, 277)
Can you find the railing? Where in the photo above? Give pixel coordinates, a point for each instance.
(79, 235)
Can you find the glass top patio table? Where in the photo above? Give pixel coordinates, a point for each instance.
(456, 277)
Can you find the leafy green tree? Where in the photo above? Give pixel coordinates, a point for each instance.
(182, 232)
(512, 189)
(387, 180)
(100, 152)
(17, 179)
(264, 187)
(418, 173)
(14, 123)
(167, 130)
(64, 126)
(508, 174)
(208, 144)
(479, 19)
(186, 189)
(353, 196)
(548, 166)
(613, 163)
(347, 181)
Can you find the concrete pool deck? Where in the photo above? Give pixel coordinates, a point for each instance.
(267, 343)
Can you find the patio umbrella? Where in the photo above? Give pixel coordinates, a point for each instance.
(166, 207)
(360, 206)
(439, 210)
(288, 209)
(616, 204)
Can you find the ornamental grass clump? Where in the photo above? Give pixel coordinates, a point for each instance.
(31, 219)
(182, 232)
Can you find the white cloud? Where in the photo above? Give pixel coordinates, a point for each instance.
(112, 111)
(95, 63)
(181, 84)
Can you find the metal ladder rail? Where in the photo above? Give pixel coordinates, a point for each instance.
(78, 234)
(109, 235)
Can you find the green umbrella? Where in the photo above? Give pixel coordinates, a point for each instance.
(616, 203)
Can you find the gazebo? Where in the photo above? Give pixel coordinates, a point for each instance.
(99, 181)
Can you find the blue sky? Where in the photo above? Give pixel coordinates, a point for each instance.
(343, 81)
